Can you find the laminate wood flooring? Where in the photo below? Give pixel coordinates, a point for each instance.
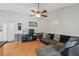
(22, 48)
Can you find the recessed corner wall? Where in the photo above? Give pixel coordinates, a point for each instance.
(64, 21)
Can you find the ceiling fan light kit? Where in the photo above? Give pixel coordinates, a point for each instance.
(39, 13)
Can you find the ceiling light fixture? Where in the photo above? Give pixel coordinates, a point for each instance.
(39, 13)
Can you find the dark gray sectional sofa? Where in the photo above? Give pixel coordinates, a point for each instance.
(57, 46)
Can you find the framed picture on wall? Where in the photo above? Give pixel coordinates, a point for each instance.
(32, 24)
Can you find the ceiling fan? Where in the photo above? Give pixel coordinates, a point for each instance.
(39, 13)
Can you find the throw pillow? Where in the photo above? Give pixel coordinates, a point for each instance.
(70, 44)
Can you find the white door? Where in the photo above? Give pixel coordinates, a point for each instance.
(9, 31)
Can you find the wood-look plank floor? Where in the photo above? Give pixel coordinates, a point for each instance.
(1, 51)
(22, 48)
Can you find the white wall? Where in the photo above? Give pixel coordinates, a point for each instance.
(13, 17)
(64, 21)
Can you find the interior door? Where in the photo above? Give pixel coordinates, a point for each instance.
(9, 31)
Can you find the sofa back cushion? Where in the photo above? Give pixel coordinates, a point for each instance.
(73, 38)
(51, 36)
(64, 38)
(47, 36)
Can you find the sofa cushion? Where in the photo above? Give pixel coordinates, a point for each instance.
(64, 38)
(58, 45)
(47, 36)
(70, 44)
(47, 51)
(47, 41)
(71, 51)
(72, 38)
(56, 37)
(44, 35)
(74, 51)
(51, 36)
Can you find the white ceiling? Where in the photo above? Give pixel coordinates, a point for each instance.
(26, 7)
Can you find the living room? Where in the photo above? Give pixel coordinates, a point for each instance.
(31, 29)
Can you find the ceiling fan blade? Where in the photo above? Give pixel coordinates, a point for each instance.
(44, 15)
(33, 11)
(44, 11)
